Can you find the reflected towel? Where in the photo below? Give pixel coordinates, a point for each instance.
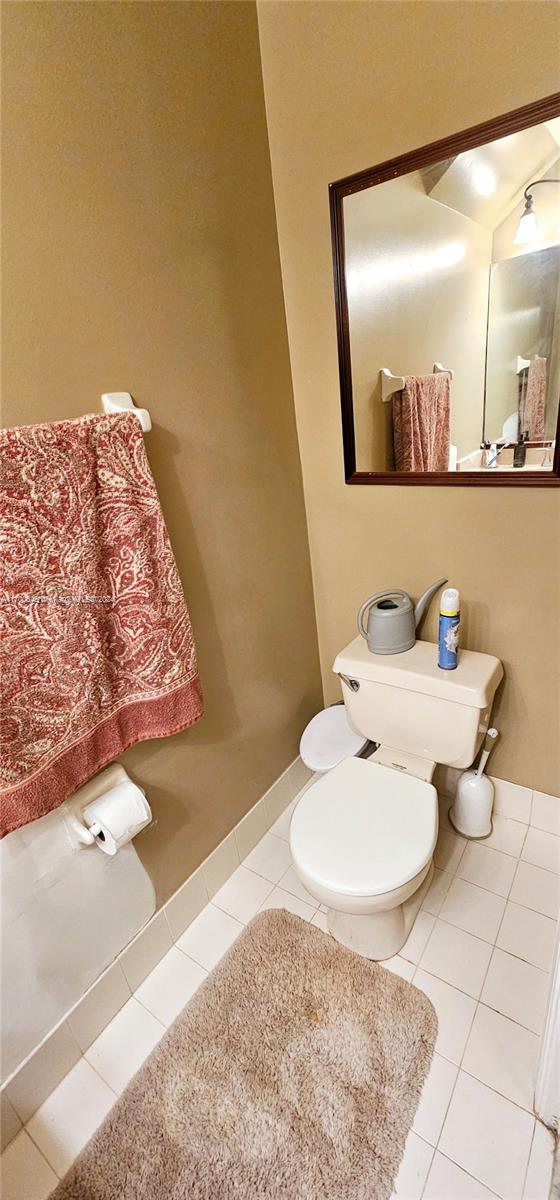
(421, 423)
(532, 400)
(97, 647)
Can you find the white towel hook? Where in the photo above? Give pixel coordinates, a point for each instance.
(115, 402)
(439, 369)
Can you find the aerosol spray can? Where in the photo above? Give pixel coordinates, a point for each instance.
(449, 624)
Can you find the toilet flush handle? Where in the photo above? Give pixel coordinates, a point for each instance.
(351, 683)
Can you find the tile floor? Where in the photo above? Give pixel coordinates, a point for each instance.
(481, 948)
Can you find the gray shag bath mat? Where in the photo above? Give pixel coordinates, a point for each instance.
(293, 1074)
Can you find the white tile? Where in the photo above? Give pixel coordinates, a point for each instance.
(242, 895)
(528, 935)
(250, 829)
(447, 1181)
(25, 1174)
(299, 776)
(319, 918)
(170, 985)
(413, 1169)
(545, 813)
(10, 1123)
(209, 936)
(473, 909)
(220, 864)
(488, 1136)
(186, 904)
(507, 835)
(99, 1006)
(437, 892)
(457, 957)
(281, 826)
(516, 989)
(455, 1012)
(270, 858)
(418, 936)
(43, 1071)
(278, 797)
(542, 849)
(279, 898)
(449, 850)
(512, 800)
(487, 868)
(537, 889)
(291, 882)
(399, 966)
(123, 1046)
(434, 1101)
(503, 1055)
(539, 1171)
(148, 947)
(66, 1121)
(445, 780)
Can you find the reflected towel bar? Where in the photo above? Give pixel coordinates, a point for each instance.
(394, 383)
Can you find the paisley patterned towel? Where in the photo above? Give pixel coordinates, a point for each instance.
(421, 423)
(97, 649)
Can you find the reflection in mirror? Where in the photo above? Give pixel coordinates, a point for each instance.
(452, 287)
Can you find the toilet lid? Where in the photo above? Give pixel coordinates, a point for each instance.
(329, 738)
(364, 829)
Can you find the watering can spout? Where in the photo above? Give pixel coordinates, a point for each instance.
(424, 600)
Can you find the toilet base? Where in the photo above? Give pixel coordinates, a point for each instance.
(381, 934)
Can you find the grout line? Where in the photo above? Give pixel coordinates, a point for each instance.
(38, 1148)
(528, 1160)
(98, 1073)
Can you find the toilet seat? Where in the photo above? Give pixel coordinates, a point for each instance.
(329, 738)
(364, 829)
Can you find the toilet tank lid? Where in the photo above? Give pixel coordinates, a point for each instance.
(473, 682)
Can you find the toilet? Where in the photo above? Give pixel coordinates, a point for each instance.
(363, 834)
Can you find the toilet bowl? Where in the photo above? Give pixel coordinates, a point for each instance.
(363, 834)
(362, 839)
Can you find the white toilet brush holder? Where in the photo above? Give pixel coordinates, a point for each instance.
(471, 811)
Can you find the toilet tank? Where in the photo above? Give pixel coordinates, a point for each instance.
(407, 702)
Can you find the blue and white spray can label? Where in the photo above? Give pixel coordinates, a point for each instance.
(449, 626)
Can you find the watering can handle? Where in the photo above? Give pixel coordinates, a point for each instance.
(367, 604)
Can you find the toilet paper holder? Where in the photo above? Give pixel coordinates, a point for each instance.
(113, 822)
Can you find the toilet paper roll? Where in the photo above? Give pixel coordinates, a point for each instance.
(117, 816)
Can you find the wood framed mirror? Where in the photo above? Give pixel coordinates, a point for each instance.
(447, 288)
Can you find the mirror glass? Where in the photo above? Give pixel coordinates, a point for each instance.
(452, 280)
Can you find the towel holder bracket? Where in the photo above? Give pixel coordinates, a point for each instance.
(115, 402)
(395, 383)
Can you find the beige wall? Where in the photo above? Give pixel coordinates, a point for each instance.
(409, 307)
(348, 85)
(141, 254)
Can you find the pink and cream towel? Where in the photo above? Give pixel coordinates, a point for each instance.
(532, 399)
(421, 423)
(97, 650)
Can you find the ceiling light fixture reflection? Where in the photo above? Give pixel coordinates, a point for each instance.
(528, 229)
(367, 275)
